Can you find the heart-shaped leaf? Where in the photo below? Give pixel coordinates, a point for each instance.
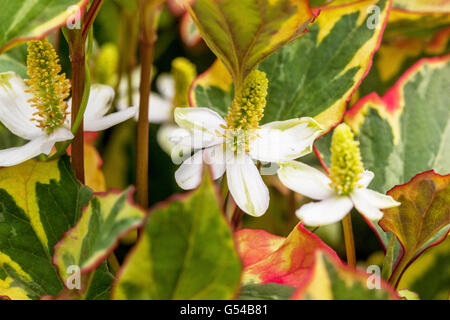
(289, 262)
(397, 55)
(403, 133)
(39, 201)
(244, 32)
(107, 218)
(406, 131)
(25, 20)
(186, 251)
(422, 220)
(314, 75)
(331, 280)
(429, 275)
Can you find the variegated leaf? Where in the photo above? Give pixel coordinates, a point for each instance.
(421, 221)
(29, 19)
(39, 201)
(186, 251)
(314, 75)
(284, 261)
(242, 33)
(331, 280)
(107, 218)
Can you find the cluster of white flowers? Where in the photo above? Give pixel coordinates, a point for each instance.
(237, 145)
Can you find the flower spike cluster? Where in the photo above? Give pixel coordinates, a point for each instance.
(346, 162)
(37, 110)
(248, 105)
(50, 88)
(232, 145)
(345, 188)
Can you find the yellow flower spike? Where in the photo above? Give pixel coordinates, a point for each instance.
(246, 111)
(50, 89)
(106, 64)
(248, 104)
(183, 73)
(346, 162)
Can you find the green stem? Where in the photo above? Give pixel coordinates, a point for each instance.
(346, 223)
(398, 272)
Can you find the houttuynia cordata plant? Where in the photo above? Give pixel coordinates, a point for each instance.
(224, 150)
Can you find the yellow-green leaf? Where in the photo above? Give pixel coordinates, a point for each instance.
(314, 75)
(186, 251)
(422, 220)
(107, 218)
(331, 280)
(39, 201)
(24, 20)
(429, 275)
(243, 32)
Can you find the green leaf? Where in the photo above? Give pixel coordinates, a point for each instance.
(314, 75)
(107, 218)
(242, 33)
(408, 130)
(24, 20)
(9, 63)
(429, 275)
(331, 280)
(266, 291)
(186, 251)
(39, 201)
(422, 220)
(403, 133)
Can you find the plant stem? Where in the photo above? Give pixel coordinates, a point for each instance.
(236, 218)
(346, 223)
(349, 240)
(77, 58)
(77, 47)
(147, 40)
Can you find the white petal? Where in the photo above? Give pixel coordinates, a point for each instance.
(325, 212)
(305, 180)
(285, 140)
(246, 186)
(99, 103)
(215, 157)
(169, 138)
(42, 144)
(205, 125)
(189, 174)
(166, 86)
(160, 110)
(368, 203)
(15, 110)
(109, 120)
(366, 178)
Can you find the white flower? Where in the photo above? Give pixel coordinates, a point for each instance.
(278, 141)
(16, 113)
(332, 207)
(159, 112)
